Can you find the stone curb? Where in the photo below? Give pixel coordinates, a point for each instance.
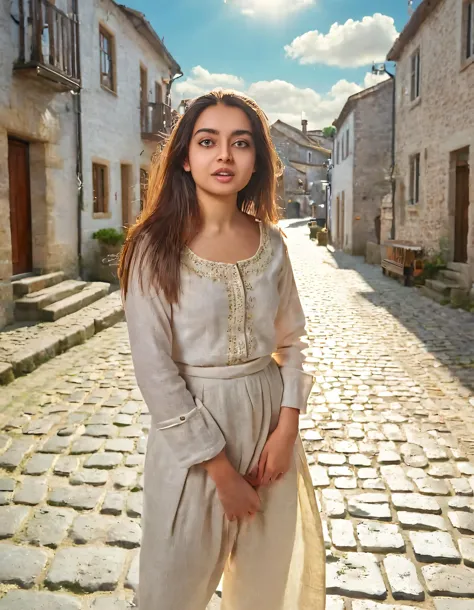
(54, 338)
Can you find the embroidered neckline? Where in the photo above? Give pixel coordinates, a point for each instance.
(203, 262)
(238, 281)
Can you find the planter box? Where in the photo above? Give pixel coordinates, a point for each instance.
(105, 268)
(323, 238)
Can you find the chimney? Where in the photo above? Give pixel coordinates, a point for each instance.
(304, 126)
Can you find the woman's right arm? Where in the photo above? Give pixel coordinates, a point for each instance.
(186, 425)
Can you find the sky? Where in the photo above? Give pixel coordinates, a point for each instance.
(291, 56)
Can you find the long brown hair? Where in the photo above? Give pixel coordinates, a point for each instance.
(171, 217)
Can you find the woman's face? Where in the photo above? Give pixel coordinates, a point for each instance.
(221, 155)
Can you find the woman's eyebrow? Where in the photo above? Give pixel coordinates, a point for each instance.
(237, 132)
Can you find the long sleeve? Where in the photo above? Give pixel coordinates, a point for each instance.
(186, 425)
(290, 333)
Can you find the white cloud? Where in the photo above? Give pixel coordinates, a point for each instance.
(274, 8)
(201, 81)
(278, 98)
(374, 79)
(353, 44)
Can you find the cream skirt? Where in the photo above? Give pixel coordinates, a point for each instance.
(276, 561)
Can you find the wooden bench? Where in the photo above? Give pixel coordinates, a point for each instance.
(403, 260)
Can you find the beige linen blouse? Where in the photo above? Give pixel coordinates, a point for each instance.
(228, 314)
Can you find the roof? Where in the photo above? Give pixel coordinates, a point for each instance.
(145, 29)
(298, 137)
(302, 167)
(353, 99)
(294, 166)
(423, 11)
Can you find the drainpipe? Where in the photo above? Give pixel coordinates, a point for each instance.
(79, 151)
(392, 178)
(80, 189)
(178, 74)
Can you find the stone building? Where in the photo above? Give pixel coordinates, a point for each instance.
(84, 97)
(302, 188)
(38, 144)
(362, 158)
(126, 77)
(435, 130)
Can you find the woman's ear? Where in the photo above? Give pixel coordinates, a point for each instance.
(186, 166)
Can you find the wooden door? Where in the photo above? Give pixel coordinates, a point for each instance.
(126, 186)
(461, 223)
(20, 206)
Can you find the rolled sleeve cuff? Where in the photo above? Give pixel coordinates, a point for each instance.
(297, 385)
(193, 437)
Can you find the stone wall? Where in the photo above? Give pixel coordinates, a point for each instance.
(111, 120)
(438, 123)
(372, 162)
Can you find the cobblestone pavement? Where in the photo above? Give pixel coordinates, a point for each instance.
(389, 439)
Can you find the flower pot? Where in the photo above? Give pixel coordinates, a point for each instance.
(107, 263)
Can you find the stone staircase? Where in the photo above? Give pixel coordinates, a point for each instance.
(451, 286)
(53, 315)
(50, 297)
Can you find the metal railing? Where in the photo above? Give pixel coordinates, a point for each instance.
(48, 37)
(156, 119)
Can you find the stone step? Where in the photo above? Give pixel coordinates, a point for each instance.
(433, 295)
(29, 306)
(36, 283)
(93, 292)
(26, 348)
(452, 276)
(459, 267)
(443, 288)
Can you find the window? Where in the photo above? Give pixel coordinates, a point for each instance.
(107, 63)
(100, 186)
(338, 150)
(470, 29)
(347, 143)
(309, 156)
(415, 179)
(415, 75)
(343, 153)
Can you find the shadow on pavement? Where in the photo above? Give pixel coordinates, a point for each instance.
(447, 334)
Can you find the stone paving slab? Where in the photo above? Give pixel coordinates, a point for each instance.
(388, 435)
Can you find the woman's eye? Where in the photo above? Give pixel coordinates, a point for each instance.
(241, 144)
(206, 143)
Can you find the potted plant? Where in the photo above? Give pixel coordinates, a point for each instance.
(110, 243)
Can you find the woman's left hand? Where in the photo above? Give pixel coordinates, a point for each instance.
(277, 454)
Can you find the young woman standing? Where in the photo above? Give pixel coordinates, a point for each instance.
(215, 326)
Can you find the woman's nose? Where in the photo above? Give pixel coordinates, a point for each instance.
(225, 153)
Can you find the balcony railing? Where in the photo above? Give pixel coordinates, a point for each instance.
(156, 120)
(49, 42)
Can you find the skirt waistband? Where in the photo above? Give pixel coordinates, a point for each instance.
(225, 372)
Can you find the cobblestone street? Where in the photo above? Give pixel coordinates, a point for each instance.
(389, 438)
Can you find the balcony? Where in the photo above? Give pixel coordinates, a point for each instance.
(49, 44)
(156, 120)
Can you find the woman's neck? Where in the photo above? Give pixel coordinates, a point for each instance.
(217, 213)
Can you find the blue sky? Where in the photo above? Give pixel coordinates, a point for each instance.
(292, 56)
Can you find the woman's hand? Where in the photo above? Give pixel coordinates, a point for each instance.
(277, 455)
(238, 498)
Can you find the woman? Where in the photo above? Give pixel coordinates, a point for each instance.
(215, 326)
